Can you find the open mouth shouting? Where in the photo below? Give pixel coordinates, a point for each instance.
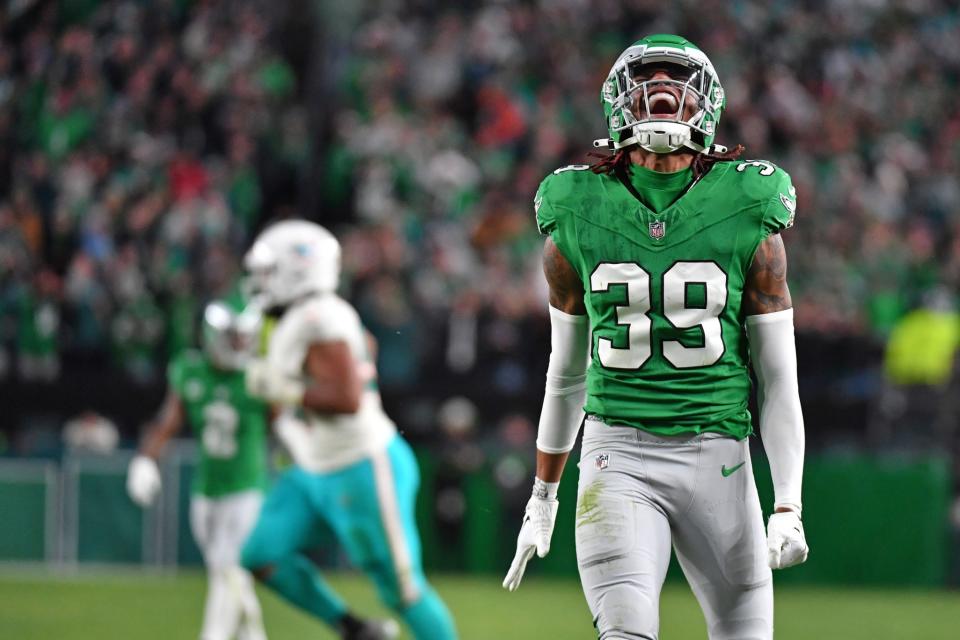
(662, 103)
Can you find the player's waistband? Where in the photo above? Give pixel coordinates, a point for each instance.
(595, 423)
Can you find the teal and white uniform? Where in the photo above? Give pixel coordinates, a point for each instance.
(354, 484)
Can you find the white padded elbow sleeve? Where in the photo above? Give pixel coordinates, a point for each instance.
(774, 356)
(566, 386)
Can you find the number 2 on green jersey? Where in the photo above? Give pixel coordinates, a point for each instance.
(220, 430)
(677, 308)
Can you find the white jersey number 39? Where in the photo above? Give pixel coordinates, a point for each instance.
(676, 309)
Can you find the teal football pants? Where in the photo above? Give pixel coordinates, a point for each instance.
(368, 509)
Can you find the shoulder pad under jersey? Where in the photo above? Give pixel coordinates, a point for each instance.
(553, 196)
(766, 182)
(327, 318)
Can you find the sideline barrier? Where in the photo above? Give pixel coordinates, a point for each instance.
(869, 520)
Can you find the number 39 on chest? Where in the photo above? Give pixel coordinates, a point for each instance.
(692, 295)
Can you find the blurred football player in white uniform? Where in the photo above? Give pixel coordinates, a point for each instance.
(207, 390)
(355, 479)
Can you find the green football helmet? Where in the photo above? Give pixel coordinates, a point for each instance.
(230, 337)
(659, 125)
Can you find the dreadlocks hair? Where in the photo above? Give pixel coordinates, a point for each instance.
(705, 159)
(608, 164)
(702, 162)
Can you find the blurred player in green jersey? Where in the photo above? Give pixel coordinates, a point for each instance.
(207, 391)
(666, 274)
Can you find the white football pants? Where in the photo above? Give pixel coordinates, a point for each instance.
(221, 526)
(637, 494)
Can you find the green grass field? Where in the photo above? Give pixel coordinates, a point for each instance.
(96, 606)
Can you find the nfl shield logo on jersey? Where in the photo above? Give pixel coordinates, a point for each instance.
(603, 460)
(657, 229)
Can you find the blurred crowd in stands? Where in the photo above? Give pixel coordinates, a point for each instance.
(142, 144)
(131, 140)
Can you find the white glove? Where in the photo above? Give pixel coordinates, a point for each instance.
(143, 480)
(264, 381)
(535, 534)
(786, 543)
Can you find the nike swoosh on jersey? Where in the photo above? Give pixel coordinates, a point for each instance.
(726, 472)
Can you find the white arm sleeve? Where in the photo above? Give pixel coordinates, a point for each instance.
(566, 386)
(774, 356)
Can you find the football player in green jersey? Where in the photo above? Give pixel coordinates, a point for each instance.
(207, 391)
(666, 273)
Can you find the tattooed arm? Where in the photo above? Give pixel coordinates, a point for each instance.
(766, 288)
(562, 412)
(568, 356)
(566, 288)
(769, 324)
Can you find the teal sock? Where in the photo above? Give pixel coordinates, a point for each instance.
(429, 618)
(297, 580)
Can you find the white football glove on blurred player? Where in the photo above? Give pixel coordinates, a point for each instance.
(264, 381)
(143, 480)
(535, 533)
(786, 543)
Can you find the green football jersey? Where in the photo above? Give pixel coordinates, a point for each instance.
(229, 425)
(663, 291)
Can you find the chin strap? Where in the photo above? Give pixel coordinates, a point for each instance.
(661, 141)
(668, 137)
(613, 163)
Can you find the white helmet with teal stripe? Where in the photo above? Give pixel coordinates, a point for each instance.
(662, 112)
(291, 260)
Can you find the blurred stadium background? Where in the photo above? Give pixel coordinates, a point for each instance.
(143, 144)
